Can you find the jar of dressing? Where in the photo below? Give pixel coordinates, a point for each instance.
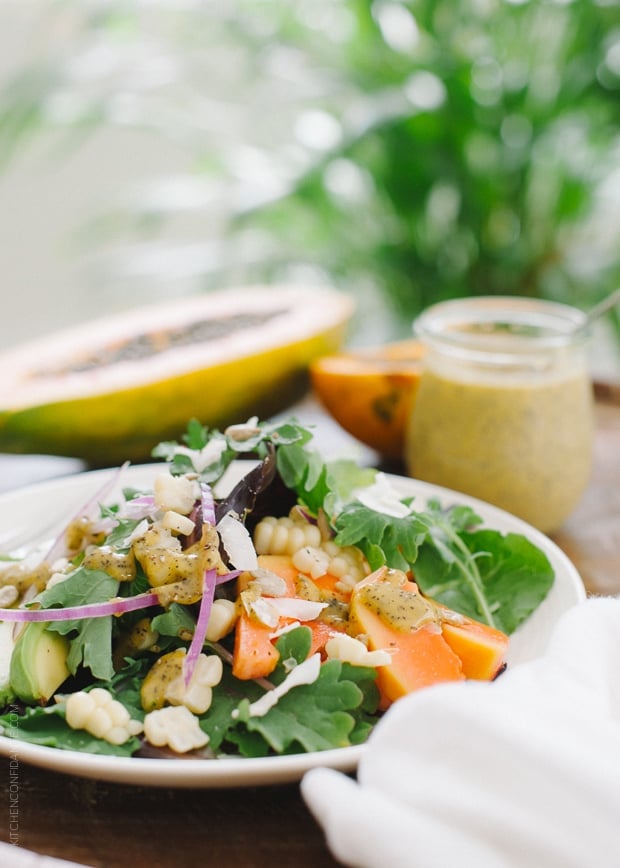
(504, 406)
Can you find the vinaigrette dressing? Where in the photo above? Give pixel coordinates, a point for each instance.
(504, 409)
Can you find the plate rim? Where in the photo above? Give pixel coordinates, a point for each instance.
(230, 772)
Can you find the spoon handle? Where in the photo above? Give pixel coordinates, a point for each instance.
(602, 307)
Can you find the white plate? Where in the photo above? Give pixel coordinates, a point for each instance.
(38, 512)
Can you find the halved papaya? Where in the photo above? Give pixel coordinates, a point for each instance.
(109, 390)
(371, 392)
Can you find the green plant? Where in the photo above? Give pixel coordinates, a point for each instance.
(407, 150)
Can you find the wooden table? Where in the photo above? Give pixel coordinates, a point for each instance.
(103, 824)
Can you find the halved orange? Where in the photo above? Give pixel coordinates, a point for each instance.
(371, 392)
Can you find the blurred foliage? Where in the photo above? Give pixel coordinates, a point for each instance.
(411, 151)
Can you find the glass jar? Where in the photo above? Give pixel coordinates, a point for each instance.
(504, 406)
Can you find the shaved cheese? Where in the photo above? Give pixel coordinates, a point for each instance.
(203, 458)
(238, 543)
(301, 610)
(261, 608)
(381, 496)
(305, 673)
(269, 583)
(286, 628)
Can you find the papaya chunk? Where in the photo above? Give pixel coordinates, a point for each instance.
(420, 657)
(428, 642)
(322, 632)
(254, 654)
(480, 648)
(329, 584)
(280, 565)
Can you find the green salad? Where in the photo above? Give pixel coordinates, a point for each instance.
(254, 600)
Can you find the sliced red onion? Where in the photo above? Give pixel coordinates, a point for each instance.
(198, 639)
(208, 504)
(117, 606)
(140, 507)
(227, 577)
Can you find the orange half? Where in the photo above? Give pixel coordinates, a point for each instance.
(371, 392)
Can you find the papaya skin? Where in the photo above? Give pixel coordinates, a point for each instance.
(119, 424)
(110, 428)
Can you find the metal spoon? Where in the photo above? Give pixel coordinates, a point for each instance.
(599, 309)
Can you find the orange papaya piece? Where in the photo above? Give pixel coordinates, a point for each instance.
(328, 584)
(322, 632)
(480, 648)
(254, 654)
(420, 657)
(394, 617)
(281, 565)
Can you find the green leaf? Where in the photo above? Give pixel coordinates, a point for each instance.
(384, 539)
(516, 577)
(177, 621)
(293, 648)
(196, 435)
(47, 727)
(314, 716)
(91, 638)
(344, 478)
(118, 537)
(218, 722)
(304, 472)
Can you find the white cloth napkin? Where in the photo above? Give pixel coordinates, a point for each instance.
(521, 772)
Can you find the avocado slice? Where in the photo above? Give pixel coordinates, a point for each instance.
(38, 663)
(7, 643)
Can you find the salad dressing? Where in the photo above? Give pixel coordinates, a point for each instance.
(336, 613)
(401, 609)
(82, 531)
(504, 406)
(117, 564)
